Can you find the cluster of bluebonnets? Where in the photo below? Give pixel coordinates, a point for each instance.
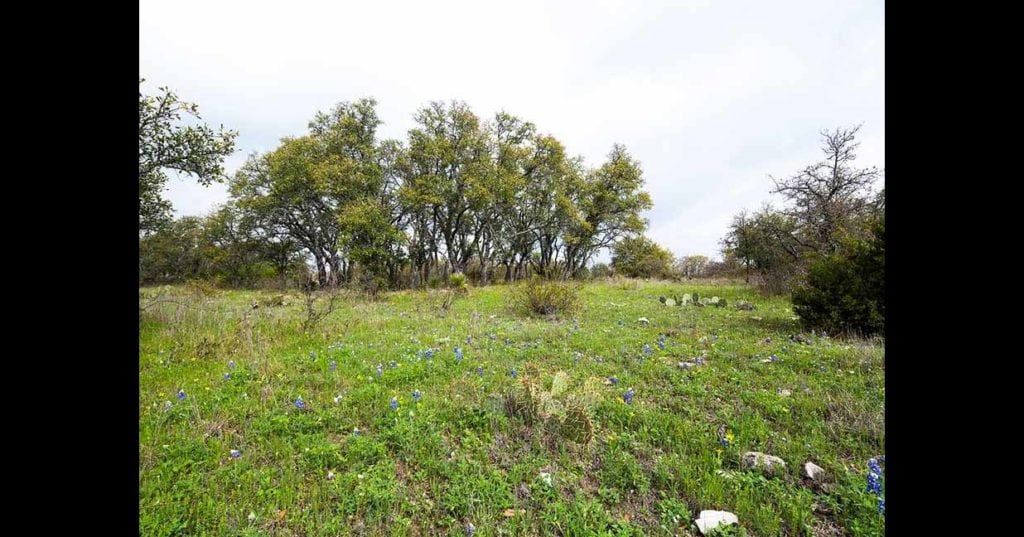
(874, 476)
(875, 481)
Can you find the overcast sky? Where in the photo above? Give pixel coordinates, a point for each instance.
(710, 96)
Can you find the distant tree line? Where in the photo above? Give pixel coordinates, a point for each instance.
(641, 257)
(496, 199)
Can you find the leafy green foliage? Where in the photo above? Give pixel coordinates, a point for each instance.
(165, 143)
(766, 243)
(222, 247)
(640, 257)
(329, 192)
(845, 292)
(458, 282)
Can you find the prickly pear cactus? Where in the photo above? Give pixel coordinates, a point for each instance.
(524, 402)
(577, 424)
(559, 383)
(559, 415)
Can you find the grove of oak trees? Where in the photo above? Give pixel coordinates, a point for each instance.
(497, 195)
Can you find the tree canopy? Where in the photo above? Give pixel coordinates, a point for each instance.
(166, 142)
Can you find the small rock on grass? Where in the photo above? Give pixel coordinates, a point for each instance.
(709, 520)
(767, 463)
(813, 471)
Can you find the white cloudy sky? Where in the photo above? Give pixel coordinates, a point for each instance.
(710, 96)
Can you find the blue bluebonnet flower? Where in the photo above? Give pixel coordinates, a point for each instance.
(768, 340)
(333, 366)
(699, 360)
(881, 506)
(661, 342)
(429, 353)
(647, 349)
(231, 364)
(613, 380)
(773, 358)
(337, 399)
(416, 395)
(380, 370)
(227, 376)
(874, 483)
(480, 371)
(628, 398)
(235, 454)
(823, 369)
(299, 404)
(873, 466)
(355, 431)
(392, 365)
(394, 403)
(181, 395)
(494, 337)
(312, 356)
(458, 354)
(513, 373)
(470, 528)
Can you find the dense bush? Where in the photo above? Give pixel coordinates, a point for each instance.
(640, 257)
(546, 297)
(845, 292)
(601, 270)
(458, 283)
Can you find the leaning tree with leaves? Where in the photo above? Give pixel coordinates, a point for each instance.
(166, 142)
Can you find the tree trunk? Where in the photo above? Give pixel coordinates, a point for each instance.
(321, 270)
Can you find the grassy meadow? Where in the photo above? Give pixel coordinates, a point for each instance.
(233, 454)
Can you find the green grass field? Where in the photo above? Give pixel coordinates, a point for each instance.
(457, 457)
